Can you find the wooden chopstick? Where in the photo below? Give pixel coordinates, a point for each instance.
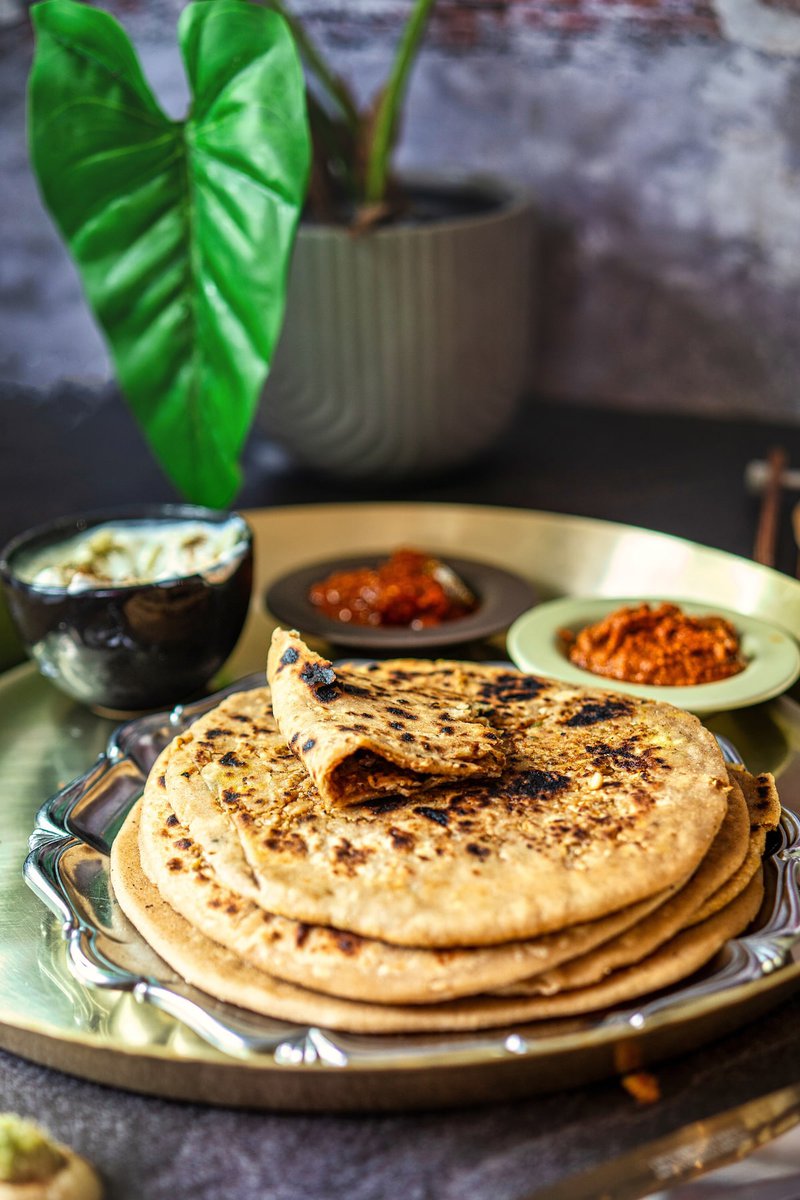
(767, 530)
(796, 532)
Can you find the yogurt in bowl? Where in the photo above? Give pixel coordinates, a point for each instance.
(127, 553)
(131, 610)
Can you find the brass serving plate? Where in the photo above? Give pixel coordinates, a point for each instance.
(111, 1036)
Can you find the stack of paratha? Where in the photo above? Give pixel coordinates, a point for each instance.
(411, 846)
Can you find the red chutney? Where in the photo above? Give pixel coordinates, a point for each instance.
(661, 645)
(403, 590)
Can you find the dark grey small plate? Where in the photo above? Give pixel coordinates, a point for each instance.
(502, 597)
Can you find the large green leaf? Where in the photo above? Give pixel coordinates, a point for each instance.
(181, 230)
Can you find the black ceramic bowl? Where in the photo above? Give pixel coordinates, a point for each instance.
(134, 647)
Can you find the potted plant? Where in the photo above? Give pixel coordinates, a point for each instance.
(408, 321)
(407, 317)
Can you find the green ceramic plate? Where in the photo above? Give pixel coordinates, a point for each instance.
(773, 656)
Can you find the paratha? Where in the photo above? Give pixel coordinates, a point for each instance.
(764, 810)
(723, 860)
(354, 738)
(226, 977)
(215, 821)
(604, 801)
(333, 960)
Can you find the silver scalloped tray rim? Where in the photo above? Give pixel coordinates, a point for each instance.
(760, 959)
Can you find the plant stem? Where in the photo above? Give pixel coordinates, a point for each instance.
(384, 128)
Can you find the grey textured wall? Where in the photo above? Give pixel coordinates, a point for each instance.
(660, 137)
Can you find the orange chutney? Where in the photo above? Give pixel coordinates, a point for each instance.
(659, 645)
(403, 590)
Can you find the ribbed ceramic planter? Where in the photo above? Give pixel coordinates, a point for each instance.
(404, 350)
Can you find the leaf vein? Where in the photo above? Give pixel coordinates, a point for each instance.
(231, 297)
(270, 189)
(123, 151)
(92, 215)
(81, 52)
(91, 101)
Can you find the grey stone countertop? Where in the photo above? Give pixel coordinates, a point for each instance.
(149, 1149)
(72, 449)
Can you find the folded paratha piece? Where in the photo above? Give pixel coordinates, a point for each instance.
(359, 738)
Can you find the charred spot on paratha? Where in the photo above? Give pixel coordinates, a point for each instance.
(478, 851)
(510, 686)
(764, 791)
(595, 711)
(230, 760)
(627, 757)
(350, 857)
(401, 840)
(351, 689)
(384, 804)
(439, 815)
(289, 656)
(534, 784)
(400, 712)
(317, 674)
(285, 841)
(348, 943)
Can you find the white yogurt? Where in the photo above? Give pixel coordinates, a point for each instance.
(123, 553)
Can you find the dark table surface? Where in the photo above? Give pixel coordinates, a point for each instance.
(74, 449)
